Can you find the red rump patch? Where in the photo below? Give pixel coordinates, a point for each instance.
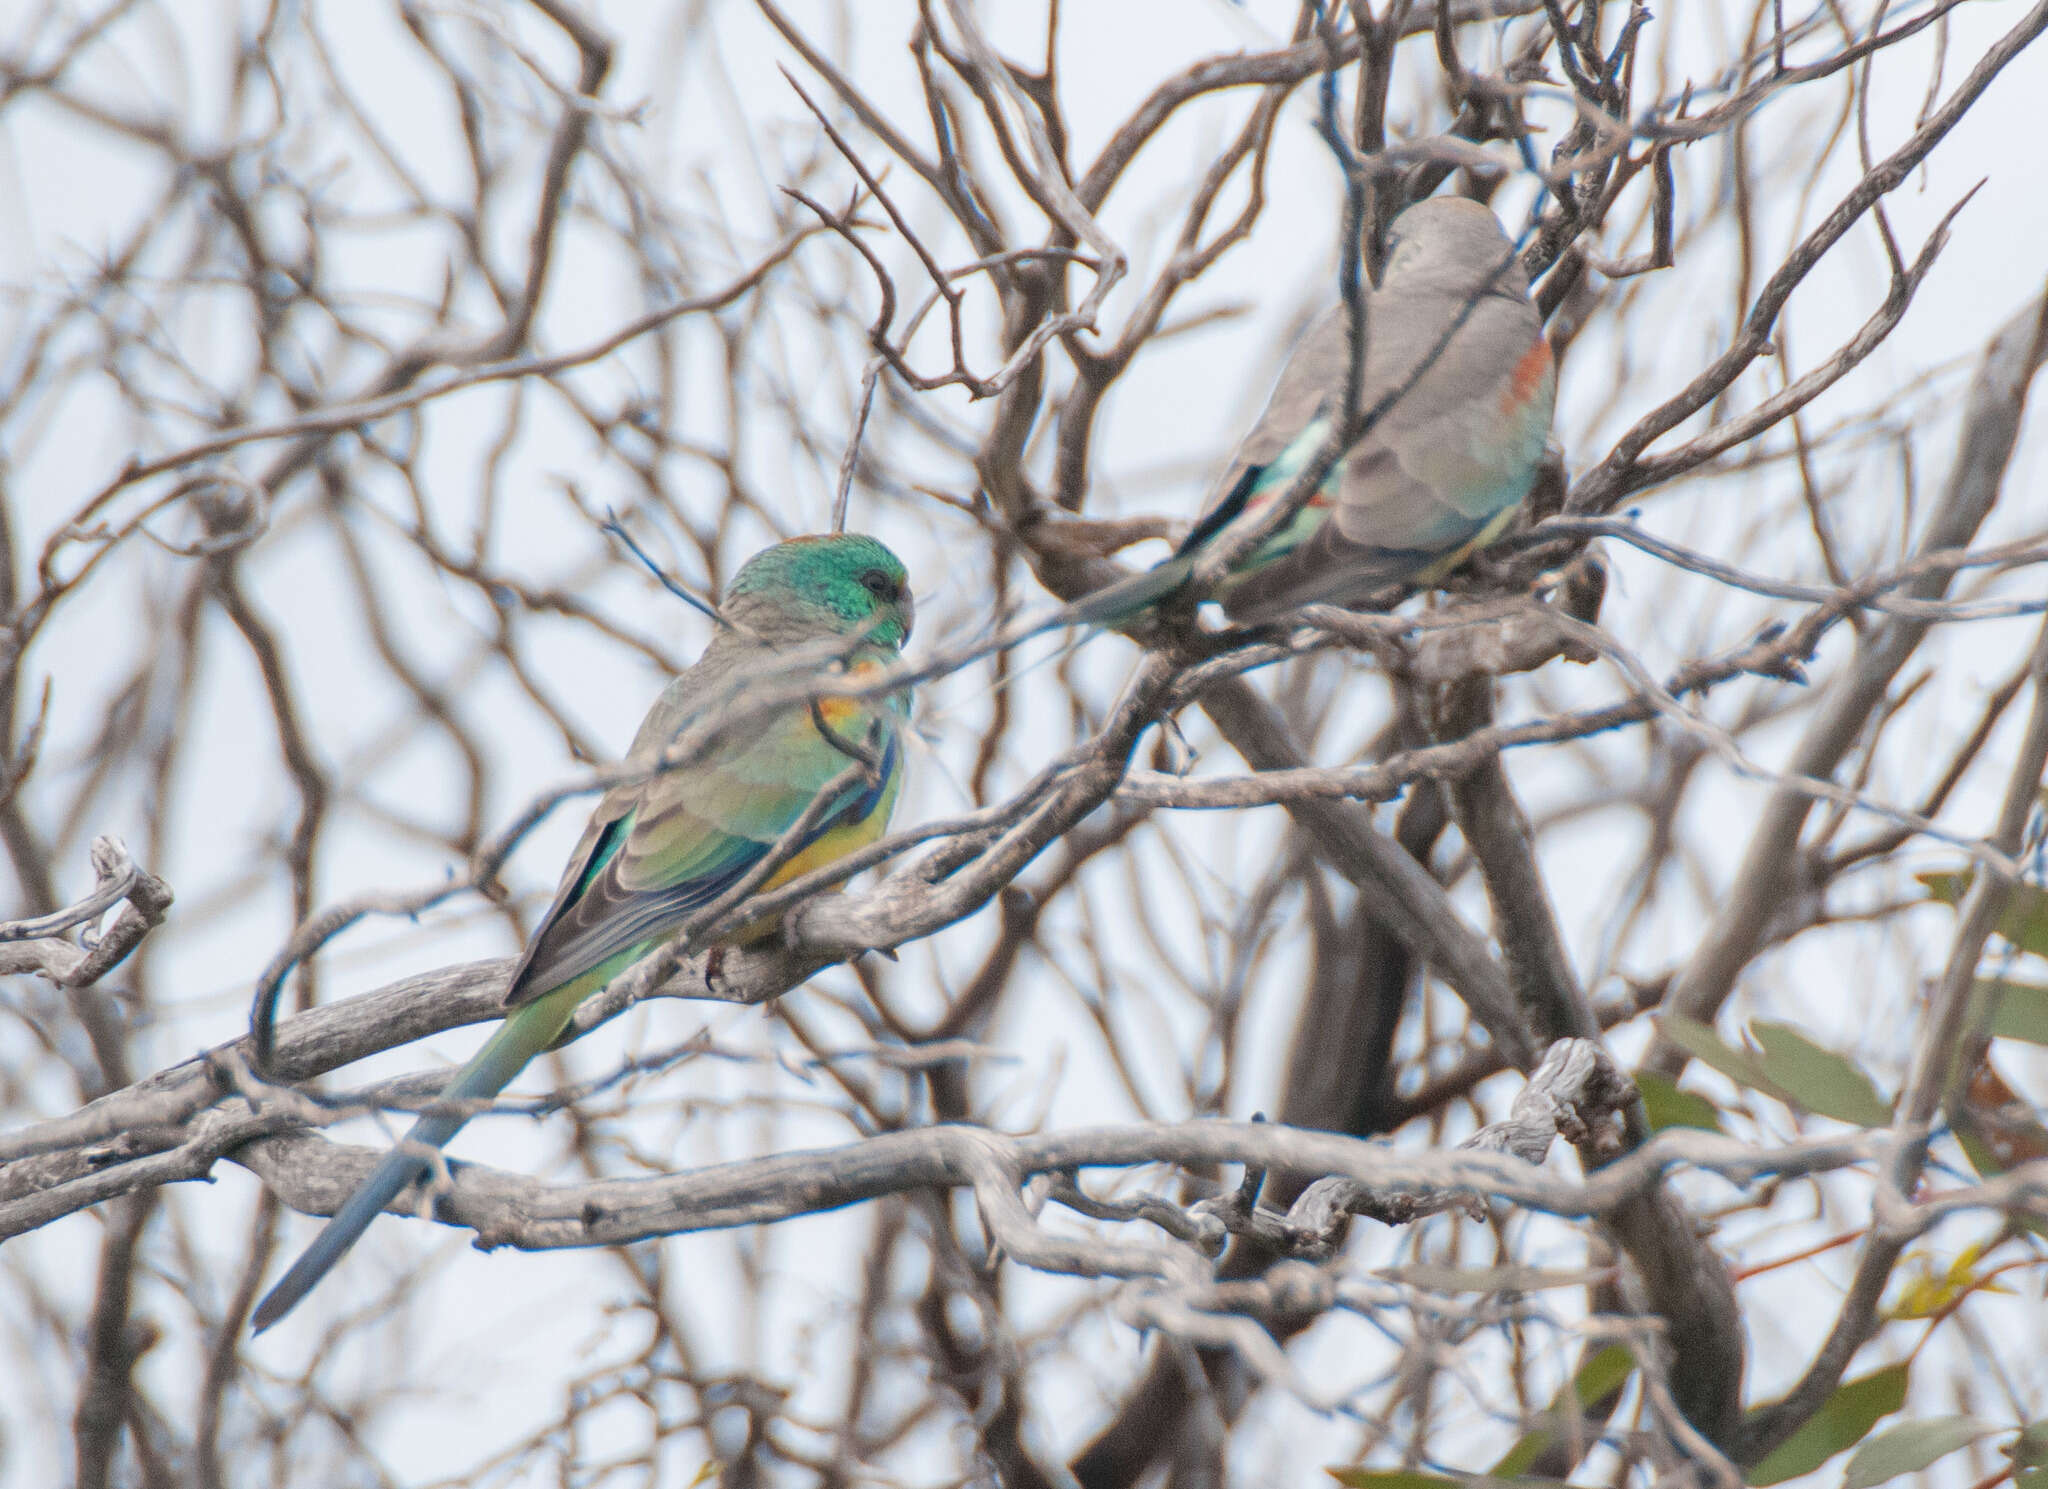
(1528, 375)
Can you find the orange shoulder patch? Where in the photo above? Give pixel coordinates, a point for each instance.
(840, 712)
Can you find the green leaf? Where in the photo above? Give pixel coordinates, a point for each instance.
(1818, 1079)
(1843, 1421)
(1527, 1449)
(1704, 1045)
(2024, 922)
(1599, 1377)
(1948, 888)
(1791, 1068)
(1910, 1447)
(1670, 1107)
(1980, 1154)
(2019, 1010)
(2029, 1451)
(1604, 1374)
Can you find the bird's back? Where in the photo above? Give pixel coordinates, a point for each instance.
(1458, 384)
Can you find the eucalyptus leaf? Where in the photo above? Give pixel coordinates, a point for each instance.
(2023, 922)
(1910, 1447)
(1704, 1045)
(2019, 1010)
(1599, 1377)
(1843, 1421)
(1668, 1106)
(1817, 1078)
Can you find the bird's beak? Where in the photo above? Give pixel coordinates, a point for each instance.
(908, 606)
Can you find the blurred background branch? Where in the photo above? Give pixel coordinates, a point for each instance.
(334, 334)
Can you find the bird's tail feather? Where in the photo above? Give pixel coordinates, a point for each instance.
(525, 1034)
(1115, 603)
(1128, 597)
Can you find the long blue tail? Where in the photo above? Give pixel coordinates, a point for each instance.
(525, 1034)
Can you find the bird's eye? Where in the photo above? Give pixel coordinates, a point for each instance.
(878, 584)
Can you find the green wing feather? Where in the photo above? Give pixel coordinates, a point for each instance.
(661, 849)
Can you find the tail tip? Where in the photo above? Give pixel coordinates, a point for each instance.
(268, 1312)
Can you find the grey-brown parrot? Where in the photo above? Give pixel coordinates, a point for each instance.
(1454, 341)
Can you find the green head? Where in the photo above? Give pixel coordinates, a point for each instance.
(834, 584)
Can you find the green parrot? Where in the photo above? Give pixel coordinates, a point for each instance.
(658, 850)
(1454, 341)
